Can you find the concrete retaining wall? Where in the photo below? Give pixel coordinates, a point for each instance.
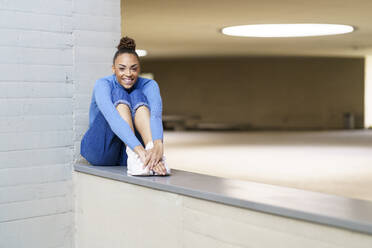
(113, 214)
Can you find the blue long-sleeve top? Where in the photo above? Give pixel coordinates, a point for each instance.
(101, 101)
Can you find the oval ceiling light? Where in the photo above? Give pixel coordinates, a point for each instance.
(141, 53)
(287, 30)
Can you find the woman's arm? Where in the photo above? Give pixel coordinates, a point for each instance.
(152, 93)
(102, 94)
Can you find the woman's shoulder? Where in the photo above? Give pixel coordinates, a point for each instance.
(145, 82)
(109, 78)
(105, 81)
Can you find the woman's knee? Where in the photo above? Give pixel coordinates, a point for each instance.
(138, 99)
(120, 96)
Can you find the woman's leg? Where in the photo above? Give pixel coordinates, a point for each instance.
(122, 103)
(142, 123)
(141, 115)
(100, 145)
(125, 113)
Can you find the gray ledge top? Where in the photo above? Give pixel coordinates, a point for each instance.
(346, 213)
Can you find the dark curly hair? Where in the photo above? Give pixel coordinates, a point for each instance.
(126, 45)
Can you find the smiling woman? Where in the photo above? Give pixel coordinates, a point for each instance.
(125, 114)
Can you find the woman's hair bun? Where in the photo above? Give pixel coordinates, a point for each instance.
(127, 43)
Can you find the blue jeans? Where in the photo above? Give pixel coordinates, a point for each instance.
(100, 145)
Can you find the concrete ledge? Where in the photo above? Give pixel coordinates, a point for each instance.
(351, 214)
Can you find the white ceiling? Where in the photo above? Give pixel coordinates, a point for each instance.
(188, 28)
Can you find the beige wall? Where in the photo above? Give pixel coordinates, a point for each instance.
(115, 214)
(285, 93)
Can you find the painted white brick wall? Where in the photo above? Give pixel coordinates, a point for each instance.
(36, 124)
(96, 33)
(51, 53)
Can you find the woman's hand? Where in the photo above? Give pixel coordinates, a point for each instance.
(155, 154)
(160, 168)
(141, 152)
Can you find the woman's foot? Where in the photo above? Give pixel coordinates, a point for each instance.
(135, 165)
(149, 146)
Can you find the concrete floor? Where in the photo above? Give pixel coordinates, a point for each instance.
(335, 162)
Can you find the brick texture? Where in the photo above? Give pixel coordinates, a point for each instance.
(51, 54)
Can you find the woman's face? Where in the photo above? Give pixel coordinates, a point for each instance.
(126, 69)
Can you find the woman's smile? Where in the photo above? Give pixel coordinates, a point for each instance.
(128, 80)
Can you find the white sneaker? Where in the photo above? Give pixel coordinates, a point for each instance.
(150, 145)
(135, 165)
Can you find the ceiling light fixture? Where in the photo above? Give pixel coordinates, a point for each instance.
(141, 53)
(287, 30)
